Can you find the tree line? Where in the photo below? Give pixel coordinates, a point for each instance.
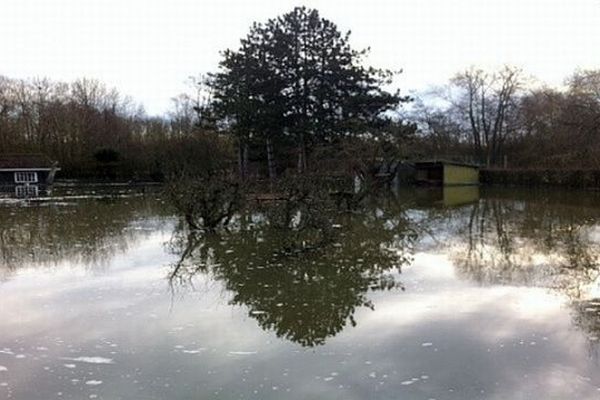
(504, 118)
(295, 95)
(82, 124)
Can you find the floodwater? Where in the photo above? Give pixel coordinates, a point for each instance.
(460, 294)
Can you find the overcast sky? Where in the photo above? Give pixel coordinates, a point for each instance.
(147, 48)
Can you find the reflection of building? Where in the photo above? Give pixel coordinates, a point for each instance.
(24, 175)
(446, 173)
(27, 191)
(446, 196)
(460, 195)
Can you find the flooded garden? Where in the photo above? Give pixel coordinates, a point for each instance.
(455, 293)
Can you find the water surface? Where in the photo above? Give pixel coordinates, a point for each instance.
(462, 294)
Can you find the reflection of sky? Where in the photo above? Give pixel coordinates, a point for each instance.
(442, 338)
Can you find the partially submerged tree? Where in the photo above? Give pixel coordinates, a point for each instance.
(302, 214)
(200, 181)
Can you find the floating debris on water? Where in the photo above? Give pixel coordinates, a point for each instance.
(90, 360)
(195, 351)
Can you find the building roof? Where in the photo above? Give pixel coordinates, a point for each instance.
(25, 161)
(430, 163)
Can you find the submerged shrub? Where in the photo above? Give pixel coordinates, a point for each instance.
(206, 201)
(301, 213)
(201, 183)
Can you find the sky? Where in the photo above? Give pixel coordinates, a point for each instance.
(148, 48)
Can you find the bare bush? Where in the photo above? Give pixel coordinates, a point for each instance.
(301, 213)
(201, 184)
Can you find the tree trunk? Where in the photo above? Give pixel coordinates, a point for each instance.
(302, 162)
(243, 160)
(304, 157)
(270, 160)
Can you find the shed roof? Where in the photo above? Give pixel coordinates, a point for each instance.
(431, 163)
(25, 161)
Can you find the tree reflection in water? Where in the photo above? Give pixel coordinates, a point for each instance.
(86, 232)
(507, 237)
(549, 240)
(309, 296)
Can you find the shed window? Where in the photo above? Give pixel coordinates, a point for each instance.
(26, 177)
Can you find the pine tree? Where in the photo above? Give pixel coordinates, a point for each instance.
(296, 79)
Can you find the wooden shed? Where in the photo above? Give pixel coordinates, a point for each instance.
(446, 173)
(26, 169)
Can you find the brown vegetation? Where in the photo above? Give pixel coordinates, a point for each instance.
(91, 130)
(496, 119)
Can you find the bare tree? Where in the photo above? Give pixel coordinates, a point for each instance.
(486, 102)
